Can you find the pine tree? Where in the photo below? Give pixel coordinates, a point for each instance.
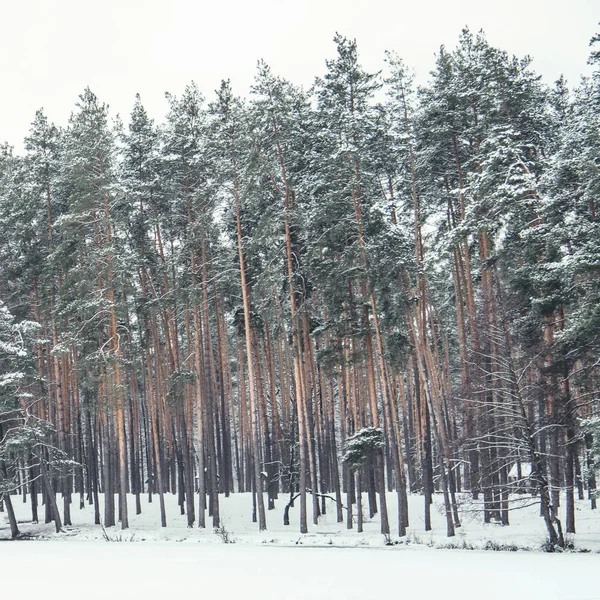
(93, 265)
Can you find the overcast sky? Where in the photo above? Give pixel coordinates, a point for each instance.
(51, 49)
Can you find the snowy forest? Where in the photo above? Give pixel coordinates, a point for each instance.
(330, 299)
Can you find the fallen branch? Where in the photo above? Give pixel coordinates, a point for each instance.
(290, 504)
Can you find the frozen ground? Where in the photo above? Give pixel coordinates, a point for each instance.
(526, 529)
(94, 570)
(330, 562)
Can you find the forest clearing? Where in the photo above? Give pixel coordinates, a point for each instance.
(239, 561)
(169, 569)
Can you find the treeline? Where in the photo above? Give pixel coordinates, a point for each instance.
(349, 290)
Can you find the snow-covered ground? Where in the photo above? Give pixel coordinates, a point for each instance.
(526, 531)
(330, 562)
(94, 570)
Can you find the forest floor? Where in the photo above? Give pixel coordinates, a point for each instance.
(526, 531)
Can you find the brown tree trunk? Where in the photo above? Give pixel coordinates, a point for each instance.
(254, 422)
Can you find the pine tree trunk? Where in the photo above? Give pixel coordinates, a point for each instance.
(254, 422)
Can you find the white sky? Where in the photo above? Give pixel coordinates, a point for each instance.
(51, 49)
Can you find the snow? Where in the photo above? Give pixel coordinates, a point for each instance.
(525, 471)
(329, 562)
(171, 570)
(526, 531)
